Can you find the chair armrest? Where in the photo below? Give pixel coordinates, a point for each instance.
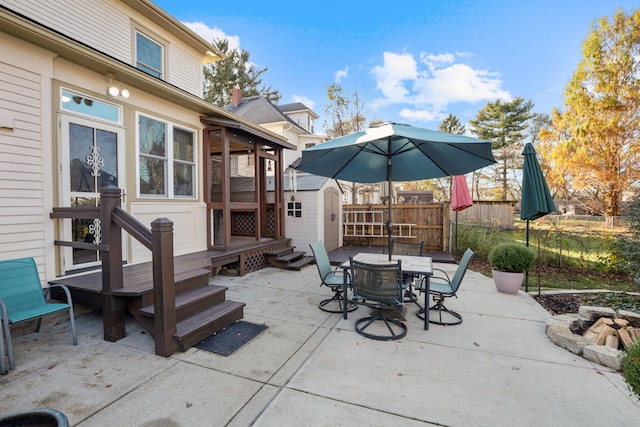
(444, 276)
(63, 287)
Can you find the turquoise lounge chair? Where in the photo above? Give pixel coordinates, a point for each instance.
(22, 298)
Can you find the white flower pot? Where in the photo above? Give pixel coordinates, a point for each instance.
(508, 283)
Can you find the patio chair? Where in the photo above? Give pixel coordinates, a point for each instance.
(412, 249)
(332, 280)
(379, 287)
(22, 298)
(442, 287)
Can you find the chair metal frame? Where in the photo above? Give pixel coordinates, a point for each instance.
(22, 298)
(330, 278)
(379, 287)
(411, 249)
(444, 287)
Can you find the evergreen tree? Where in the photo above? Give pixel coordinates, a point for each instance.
(504, 123)
(220, 78)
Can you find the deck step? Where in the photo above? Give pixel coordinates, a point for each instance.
(192, 302)
(302, 262)
(290, 257)
(184, 280)
(278, 252)
(198, 327)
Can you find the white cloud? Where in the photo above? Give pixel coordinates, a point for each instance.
(303, 99)
(212, 34)
(429, 85)
(341, 74)
(422, 115)
(391, 76)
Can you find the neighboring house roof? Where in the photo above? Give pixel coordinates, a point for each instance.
(297, 107)
(260, 110)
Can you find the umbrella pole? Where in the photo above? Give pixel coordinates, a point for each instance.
(456, 249)
(526, 273)
(389, 223)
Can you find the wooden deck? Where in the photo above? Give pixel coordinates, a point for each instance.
(137, 278)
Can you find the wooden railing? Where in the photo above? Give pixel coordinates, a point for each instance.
(158, 239)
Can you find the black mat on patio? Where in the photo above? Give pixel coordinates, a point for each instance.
(232, 338)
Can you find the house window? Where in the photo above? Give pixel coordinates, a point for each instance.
(165, 169)
(90, 107)
(294, 209)
(149, 55)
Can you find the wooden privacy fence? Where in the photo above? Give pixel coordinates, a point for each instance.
(500, 215)
(365, 225)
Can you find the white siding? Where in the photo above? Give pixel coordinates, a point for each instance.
(97, 23)
(185, 70)
(189, 226)
(107, 25)
(22, 191)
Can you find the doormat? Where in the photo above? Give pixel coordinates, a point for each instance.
(231, 338)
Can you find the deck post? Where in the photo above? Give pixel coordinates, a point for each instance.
(112, 278)
(164, 291)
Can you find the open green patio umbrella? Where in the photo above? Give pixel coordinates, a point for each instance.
(536, 199)
(396, 152)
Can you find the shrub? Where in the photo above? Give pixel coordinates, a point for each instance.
(512, 257)
(630, 365)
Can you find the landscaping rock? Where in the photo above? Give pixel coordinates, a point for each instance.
(631, 317)
(594, 313)
(562, 336)
(602, 354)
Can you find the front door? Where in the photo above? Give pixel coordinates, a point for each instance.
(92, 156)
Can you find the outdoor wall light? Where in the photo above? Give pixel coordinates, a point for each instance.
(114, 91)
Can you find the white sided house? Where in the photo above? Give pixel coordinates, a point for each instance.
(102, 93)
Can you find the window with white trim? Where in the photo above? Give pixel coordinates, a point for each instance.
(149, 55)
(294, 209)
(166, 159)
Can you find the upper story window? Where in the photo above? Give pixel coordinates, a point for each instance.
(166, 159)
(149, 55)
(91, 107)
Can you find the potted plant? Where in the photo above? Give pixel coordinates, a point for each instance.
(509, 262)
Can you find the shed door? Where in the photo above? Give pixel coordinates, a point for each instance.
(331, 219)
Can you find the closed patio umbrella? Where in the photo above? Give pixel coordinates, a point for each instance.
(396, 152)
(536, 199)
(460, 200)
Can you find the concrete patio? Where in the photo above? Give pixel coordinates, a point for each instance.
(498, 368)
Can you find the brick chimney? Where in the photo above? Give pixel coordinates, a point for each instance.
(236, 96)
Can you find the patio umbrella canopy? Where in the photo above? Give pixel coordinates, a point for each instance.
(460, 200)
(536, 199)
(396, 152)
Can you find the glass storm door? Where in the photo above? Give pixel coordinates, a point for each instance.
(92, 157)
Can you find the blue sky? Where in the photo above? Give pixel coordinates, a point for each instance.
(410, 61)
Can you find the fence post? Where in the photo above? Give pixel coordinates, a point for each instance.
(164, 292)
(113, 309)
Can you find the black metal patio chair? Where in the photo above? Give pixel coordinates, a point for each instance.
(379, 287)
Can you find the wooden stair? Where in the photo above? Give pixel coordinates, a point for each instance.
(201, 309)
(287, 258)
